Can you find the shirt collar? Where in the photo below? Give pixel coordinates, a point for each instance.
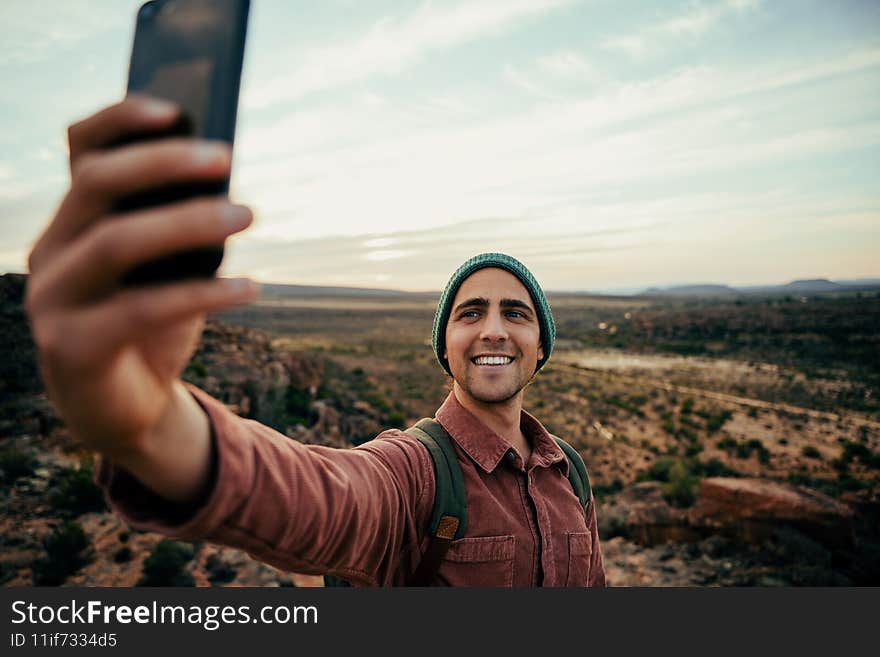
(486, 448)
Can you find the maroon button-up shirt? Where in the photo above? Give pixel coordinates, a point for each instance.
(362, 513)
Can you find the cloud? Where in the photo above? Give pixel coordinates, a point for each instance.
(697, 21)
(35, 31)
(693, 123)
(392, 45)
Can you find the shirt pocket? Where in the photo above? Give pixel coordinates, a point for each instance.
(580, 549)
(480, 561)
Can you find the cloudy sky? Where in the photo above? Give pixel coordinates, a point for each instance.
(609, 144)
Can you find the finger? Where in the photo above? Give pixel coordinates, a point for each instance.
(135, 114)
(139, 312)
(94, 334)
(95, 262)
(102, 178)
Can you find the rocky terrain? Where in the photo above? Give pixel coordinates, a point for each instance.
(693, 487)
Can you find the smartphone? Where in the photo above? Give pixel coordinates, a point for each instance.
(189, 52)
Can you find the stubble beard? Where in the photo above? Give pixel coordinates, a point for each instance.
(493, 394)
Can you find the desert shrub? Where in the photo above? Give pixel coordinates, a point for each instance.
(195, 368)
(165, 565)
(397, 420)
(680, 490)
(716, 420)
(811, 452)
(727, 443)
(15, 463)
(693, 449)
(66, 552)
(297, 404)
(687, 405)
(860, 451)
(715, 468)
(614, 487)
(73, 490)
(658, 471)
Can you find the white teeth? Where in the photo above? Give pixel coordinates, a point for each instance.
(493, 360)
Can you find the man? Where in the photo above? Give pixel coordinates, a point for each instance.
(178, 462)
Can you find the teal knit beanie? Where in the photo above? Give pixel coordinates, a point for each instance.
(515, 267)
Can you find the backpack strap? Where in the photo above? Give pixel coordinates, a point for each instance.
(449, 515)
(577, 473)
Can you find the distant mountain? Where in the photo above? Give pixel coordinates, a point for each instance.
(804, 286)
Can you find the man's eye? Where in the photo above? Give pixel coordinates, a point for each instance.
(470, 313)
(515, 314)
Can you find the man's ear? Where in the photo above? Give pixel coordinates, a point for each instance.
(540, 352)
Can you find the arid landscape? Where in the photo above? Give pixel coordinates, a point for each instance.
(731, 440)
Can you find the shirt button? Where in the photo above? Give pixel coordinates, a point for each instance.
(510, 456)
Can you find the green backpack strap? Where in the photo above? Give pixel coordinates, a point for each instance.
(577, 472)
(449, 515)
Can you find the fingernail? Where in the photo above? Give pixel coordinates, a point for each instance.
(209, 153)
(157, 108)
(235, 217)
(240, 286)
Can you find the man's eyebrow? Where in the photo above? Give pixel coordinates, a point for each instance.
(516, 303)
(474, 301)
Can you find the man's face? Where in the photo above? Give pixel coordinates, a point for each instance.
(493, 339)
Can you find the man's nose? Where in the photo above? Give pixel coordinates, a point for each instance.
(493, 327)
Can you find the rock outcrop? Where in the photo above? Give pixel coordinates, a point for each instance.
(754, 508)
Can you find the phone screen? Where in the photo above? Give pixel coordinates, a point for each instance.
(190, 51)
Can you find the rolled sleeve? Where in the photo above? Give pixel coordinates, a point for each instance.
(358, 513)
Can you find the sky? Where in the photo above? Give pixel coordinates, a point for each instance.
(609, 145)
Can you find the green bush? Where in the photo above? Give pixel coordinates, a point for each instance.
(715, 468)
(614, 487)
(15, 463)
(73, 490)
(297, 404)
(66, 552)
(196, 369)
(811, 452)
(680, 490)
(165, 566)
(658, 471)
(727, 443)
(715, 421)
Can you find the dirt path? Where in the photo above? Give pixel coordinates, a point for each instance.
(717, 396)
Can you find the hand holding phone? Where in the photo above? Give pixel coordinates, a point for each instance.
(111, 354)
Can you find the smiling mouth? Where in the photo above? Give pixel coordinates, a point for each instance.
(492, 361)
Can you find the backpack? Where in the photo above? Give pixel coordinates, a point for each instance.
(449, 515)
